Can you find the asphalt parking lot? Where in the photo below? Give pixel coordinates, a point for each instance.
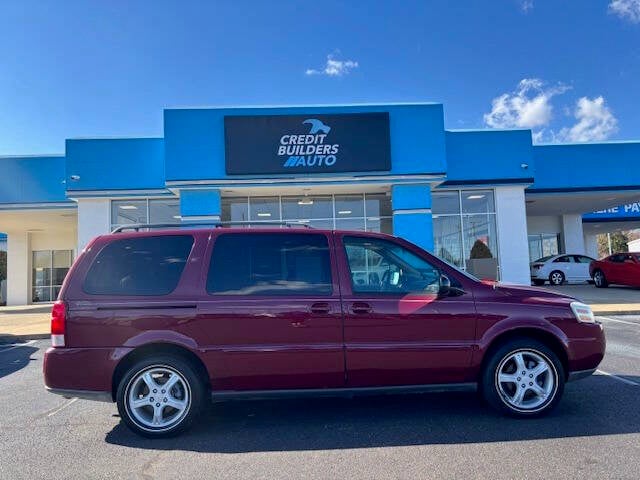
(594, 433)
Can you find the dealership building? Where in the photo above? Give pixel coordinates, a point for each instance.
(391, 168)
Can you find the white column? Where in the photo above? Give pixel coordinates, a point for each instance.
(18, 268)
(94, 218)
(513, 247)
(573, 233)
(591, 244)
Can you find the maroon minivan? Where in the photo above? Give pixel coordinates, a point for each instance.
(163, 321)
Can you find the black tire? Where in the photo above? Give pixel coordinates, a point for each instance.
(599, 279)
(556, 278)
(538, 282)
(496, 396)
(193, 384)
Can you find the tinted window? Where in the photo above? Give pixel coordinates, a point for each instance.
(583, 259)
(380, 266)
(565, 259)
(270, 264)
(616, 258)
(543, 259)
(139, 266)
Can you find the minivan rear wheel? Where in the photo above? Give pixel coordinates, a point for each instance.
(523, 378)
(160, 396)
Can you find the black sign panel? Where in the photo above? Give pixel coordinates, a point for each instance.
(353, 142)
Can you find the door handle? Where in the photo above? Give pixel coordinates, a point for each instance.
(361, 308)
(320, 307)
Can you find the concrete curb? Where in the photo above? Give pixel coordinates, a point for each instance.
(616, 313)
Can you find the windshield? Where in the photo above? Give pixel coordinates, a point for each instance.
(544, 259)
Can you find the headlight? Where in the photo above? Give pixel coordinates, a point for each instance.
(582, 312)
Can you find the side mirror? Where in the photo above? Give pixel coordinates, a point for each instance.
(445, 285)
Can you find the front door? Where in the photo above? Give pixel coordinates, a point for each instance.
(398, 329)
(272, 315)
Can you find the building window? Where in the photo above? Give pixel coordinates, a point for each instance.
(371, 212)
(543, 245)
(460, 218)
(156, 210)
(49, 267)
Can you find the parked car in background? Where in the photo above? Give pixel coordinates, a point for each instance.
(162, 322)
(558, 269)
(619, 268)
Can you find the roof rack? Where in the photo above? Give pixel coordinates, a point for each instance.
(215, 224)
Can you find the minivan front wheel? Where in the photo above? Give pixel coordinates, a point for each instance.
(523, 378)
(160, 396)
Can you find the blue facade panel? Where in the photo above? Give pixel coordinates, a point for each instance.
(489, 156)
(585, 167)
(25, 180)
(416, 228)
(410, 197)
(200, 203)
(195, 143)
(115, 164)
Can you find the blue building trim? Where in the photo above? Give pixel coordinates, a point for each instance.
(200, 203)
(412, 219)
(114, 164)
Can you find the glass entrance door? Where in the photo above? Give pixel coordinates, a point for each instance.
(49, 267)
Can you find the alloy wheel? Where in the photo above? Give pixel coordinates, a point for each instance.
(526, 380)
(557, 278)
(598, 278)
(158, 398)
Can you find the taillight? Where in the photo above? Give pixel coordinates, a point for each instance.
(58, 323)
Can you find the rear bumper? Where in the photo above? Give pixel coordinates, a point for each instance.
(79, 372)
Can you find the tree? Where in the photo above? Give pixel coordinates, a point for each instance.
(480, 250)
(619, 243)
(3, 265)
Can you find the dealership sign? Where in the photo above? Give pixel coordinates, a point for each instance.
(263, 144)
(623, 212)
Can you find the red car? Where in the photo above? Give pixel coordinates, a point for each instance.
(161, 322)
(619, 268)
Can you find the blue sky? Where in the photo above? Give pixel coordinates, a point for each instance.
(569, 70)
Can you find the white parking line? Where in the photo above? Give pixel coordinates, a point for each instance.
(62, 407)
(16, 345)
(616, 377)
(619, 321)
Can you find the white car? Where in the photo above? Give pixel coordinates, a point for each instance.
(558, 269)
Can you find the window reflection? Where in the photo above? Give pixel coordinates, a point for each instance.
(462, 219)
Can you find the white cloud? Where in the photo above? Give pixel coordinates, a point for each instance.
(526, 5)
(333, 67)
(529, 106)
(595, 122)
(626, 9)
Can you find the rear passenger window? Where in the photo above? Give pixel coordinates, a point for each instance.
(565, 259)
(139, 266)
(270, 264)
